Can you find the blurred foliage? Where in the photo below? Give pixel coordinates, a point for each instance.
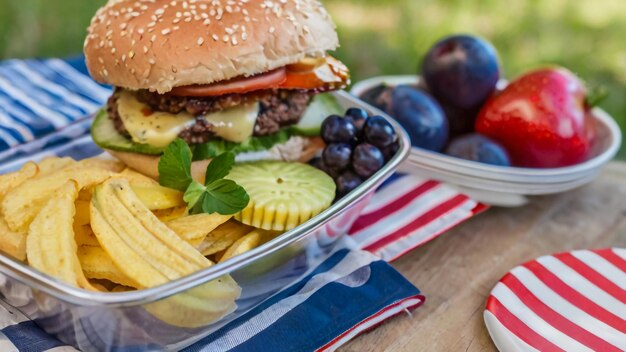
(391, 36)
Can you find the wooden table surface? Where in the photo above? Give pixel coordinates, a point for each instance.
(457, 271)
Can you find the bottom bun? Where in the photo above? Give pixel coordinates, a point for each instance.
(148, 165)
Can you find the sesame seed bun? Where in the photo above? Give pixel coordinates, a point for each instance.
(149, 164)
(161, 44)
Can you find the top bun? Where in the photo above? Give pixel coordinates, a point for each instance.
(162, 44)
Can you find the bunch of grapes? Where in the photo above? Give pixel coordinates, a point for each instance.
(357, 146)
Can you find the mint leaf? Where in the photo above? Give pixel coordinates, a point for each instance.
(175, 166)
(219, 167)
(224, 197)
(218, 196)
(193, 194)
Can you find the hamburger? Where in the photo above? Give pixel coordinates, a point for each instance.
(223, 75)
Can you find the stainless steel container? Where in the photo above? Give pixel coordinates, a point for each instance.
(94, 321)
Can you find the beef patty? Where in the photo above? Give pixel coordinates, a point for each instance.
(278, 109)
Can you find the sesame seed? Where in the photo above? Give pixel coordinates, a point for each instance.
(166, 31)
(215, 37)
(105, 72)
(200, 41)
(272, 29)
(176, 20)
(131, 54)
(207, 22)
(145, 49)
(151, 61)
(234, 41)
(159, 11)
(226, 38)
(244, 36)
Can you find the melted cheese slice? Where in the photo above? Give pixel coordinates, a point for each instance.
(159, 128)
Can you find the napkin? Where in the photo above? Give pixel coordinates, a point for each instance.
(44, 110)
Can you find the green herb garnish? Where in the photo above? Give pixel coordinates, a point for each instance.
(217, 195)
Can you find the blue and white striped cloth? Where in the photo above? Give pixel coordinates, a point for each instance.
(43, 109)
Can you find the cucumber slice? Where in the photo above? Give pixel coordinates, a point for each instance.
(320, 108)
(106, 136)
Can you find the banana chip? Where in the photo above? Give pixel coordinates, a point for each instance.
(194, 228)
(52, 164)
(9, 181)
(156, 197)
(166, 215)
(149, 253)
(84, 236)
(223, 237)
(50, 245)
(135, 178)
(97, 264)
(242, 245)
(82, 212)
(21, 205)
(12, 243)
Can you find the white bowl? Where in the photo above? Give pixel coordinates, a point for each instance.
(505, 186)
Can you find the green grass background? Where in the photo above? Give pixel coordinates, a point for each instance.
(390, 36)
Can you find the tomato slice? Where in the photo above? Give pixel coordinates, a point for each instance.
(331, 74)
(238, 85)
(318, 74)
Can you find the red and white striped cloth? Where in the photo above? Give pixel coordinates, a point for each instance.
(408, 213)
(574, 301)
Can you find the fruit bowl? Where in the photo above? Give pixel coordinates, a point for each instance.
(505, 186)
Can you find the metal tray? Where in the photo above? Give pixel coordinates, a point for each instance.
(96, 321)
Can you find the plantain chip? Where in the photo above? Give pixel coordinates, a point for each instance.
(21, 205)
(194, 228)
(50, 245)
(242, 245)
(150, 253)
(97, 264)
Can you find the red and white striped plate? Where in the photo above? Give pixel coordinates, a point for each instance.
(574, 301)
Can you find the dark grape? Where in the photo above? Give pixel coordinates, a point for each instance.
(461, 70)
(372, 95)
(358, 117)
(366, 160)
(337, 156)
(479, 148)
(390, 151)
(347, 182)
(379, 132)
(318, 163)
(336, 129)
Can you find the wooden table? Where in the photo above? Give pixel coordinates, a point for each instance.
(457, 271)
